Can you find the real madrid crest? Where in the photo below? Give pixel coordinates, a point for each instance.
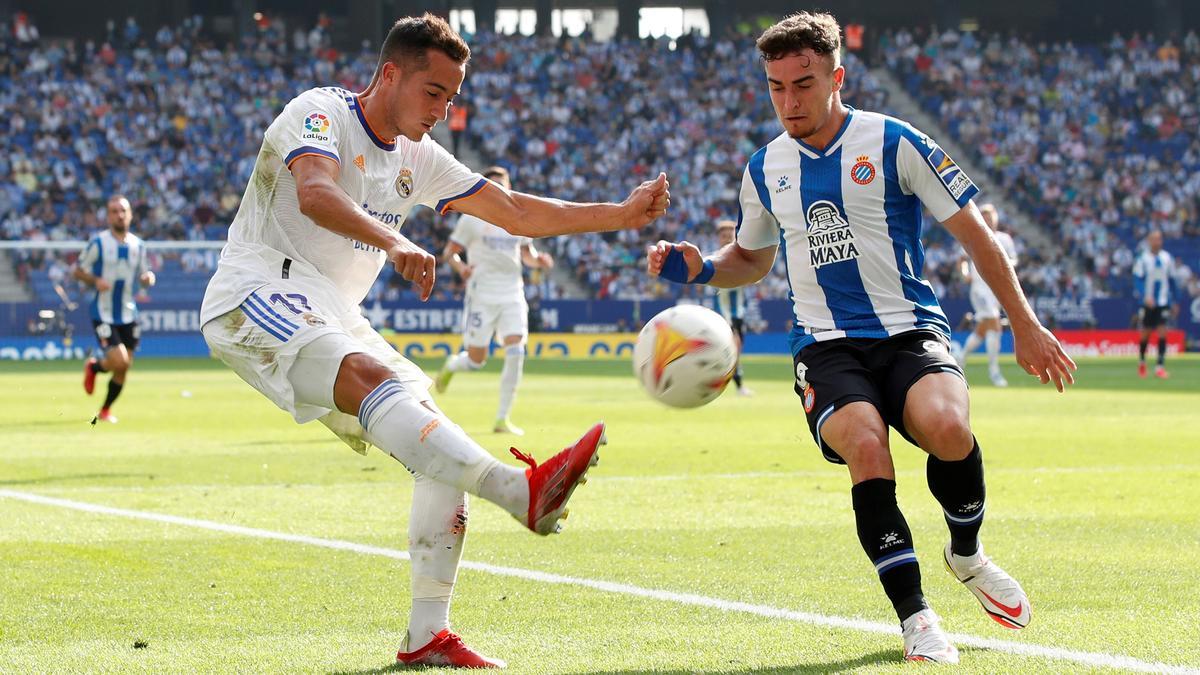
(404, 183)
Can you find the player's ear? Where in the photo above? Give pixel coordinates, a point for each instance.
(839, 77)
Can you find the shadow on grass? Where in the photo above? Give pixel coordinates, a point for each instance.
(881, 657)
(45, 480)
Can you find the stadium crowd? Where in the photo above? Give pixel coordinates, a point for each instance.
(1097, 143)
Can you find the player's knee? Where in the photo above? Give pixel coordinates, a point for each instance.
(946, 434)
(358, 376)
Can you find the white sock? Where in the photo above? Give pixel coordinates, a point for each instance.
(428, 443)
(437, 530)
(972, 343)
(992, 344)
(510, 377)
(461, 362)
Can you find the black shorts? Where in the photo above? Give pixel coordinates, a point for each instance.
(739, 328)
(110, 335)
(879, 371)
(1153, 317)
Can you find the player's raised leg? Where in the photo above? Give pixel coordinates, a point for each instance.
(471, 358)
(936, 416)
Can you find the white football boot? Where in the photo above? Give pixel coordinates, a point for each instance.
(924, 639)
(1000, 595)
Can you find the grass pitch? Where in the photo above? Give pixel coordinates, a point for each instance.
(1091, 504)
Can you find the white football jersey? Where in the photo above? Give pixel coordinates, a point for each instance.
(495, 258)
(848, 223)
(387, 179)
(122, 264)
(1010, 249)
(1153, 275)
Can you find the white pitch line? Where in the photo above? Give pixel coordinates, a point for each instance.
(1116, 661)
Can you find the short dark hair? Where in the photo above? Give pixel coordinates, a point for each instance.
(819, 32)
(411, 38)
(495, 172)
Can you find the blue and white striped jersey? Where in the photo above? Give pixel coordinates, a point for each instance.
(730, 302)
(848, 220)
(1152, 275)
(121, 263)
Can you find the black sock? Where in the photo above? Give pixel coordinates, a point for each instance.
(114, 390)
(958, 487)
(737, 375)
(96, 367)
(1162, 350)
(1142, 349)
(885, 537)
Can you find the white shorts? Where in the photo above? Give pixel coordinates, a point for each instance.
(482, 320)
(984, 303)
(287, 321)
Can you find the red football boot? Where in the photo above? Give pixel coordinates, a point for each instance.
(551, 483)
(448, 650)
(1142, 369)
(89, 376)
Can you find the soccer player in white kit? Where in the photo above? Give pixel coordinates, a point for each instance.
(494, 303)
(988, 328)
(1153, 279)
(840, 194)
(336, 177)
(114, 263)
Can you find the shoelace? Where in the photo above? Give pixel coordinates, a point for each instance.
(528, 459)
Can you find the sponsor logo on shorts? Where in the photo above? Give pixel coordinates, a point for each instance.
(801, 372)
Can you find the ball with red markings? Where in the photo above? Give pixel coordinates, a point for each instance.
(685, 356)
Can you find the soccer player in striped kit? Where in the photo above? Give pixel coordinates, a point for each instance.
(731, 304)
(1152, 280)
(114, 265)
(839, 195)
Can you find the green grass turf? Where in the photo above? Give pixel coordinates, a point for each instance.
(1092, 505)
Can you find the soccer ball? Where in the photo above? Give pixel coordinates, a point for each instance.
(685, 356)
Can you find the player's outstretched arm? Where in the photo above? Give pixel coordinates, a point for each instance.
(1037, 350)
(528, 215)
(730, 267)
(328, 205)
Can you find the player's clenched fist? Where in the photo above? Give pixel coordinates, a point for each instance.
(685, 253)
(648, 201)
(414, 264)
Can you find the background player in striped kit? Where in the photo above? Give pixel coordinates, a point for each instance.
(731, 304)
(988, 329)
(1153, 276)
(114, 264)
(841, 193)
(495, 300)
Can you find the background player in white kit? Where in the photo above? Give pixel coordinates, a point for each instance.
(988, 329)
(731, 304)
(114, 264)
(336, 177)
(1153, 277)
(494, 303)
